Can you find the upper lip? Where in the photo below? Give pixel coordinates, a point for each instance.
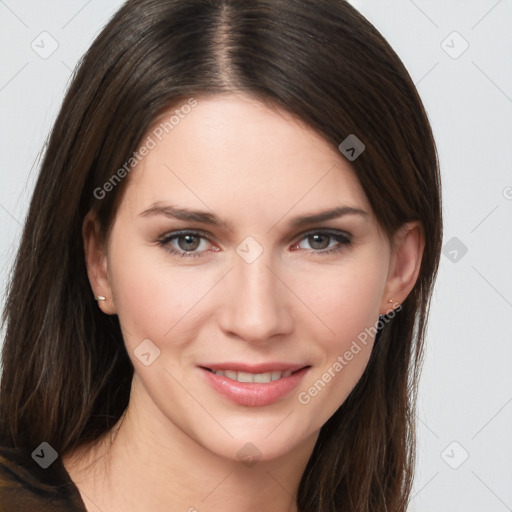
(274, 366)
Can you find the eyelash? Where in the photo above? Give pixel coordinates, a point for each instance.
(342, 239)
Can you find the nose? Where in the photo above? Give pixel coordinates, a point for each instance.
(257, 305)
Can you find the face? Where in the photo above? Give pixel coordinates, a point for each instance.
(244, 249)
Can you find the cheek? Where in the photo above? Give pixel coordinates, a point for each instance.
(151, 296)
(344, 301)
(347, 301)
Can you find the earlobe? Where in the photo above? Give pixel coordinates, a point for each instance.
(97, 263)
(405, 262)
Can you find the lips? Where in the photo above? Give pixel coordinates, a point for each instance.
(254, 385)
(254, 368)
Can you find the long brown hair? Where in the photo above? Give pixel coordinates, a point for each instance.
(66, 374)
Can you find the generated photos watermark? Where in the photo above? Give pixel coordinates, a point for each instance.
(151, 142)
(304, 397)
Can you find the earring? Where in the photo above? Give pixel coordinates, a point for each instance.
(391, 301)
(99, 298)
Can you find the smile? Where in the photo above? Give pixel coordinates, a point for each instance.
(253, 377)
(261, 386)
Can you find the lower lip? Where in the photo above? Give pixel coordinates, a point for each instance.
(254, 394)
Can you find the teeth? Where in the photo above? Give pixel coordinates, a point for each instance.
(260, 378)
(245, 377)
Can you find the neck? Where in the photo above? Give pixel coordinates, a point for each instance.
(148, 463)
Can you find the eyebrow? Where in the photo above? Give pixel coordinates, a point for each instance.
(212, 219)
(333, 213)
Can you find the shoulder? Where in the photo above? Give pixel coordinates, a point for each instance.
(26, 485)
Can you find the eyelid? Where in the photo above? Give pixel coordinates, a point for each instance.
(331, 231)
(324, 231)
(174, 234)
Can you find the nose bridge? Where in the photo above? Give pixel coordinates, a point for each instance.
(255, 307)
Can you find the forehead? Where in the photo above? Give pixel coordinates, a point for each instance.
(234, 155)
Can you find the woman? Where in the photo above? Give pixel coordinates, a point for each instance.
(221, 293)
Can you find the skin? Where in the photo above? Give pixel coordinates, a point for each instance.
(256, 169)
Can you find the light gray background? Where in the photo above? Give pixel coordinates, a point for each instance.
(465, 407)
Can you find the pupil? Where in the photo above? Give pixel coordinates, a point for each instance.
(191, 242)
(319, 241)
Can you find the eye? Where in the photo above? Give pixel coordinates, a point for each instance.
(324, 242)
(185, 243)
(194, 243)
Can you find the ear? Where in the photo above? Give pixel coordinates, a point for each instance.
(406, 253)
(97, 263)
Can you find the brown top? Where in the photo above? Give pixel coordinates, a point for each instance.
(25, 486)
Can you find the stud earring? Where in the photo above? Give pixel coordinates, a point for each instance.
(391, 301)
(99, 298)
